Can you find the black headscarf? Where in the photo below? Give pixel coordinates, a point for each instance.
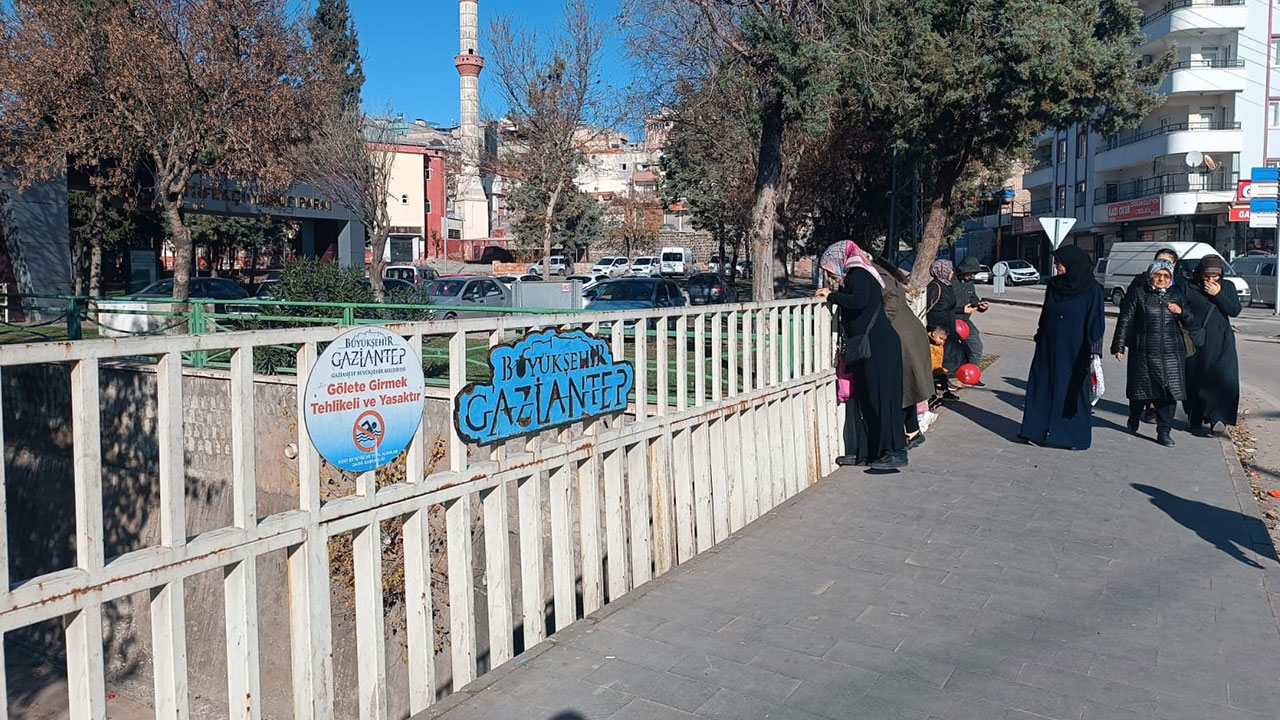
(1078, 279)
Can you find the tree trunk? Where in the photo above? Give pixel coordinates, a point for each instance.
(95, 244)
(935, 228)
(377, 261)
(182, 247)
(548, 223)
(764, 213)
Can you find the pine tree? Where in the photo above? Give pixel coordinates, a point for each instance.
(333, 32)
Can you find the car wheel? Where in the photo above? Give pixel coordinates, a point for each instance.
(1117, 296)
(451, 316)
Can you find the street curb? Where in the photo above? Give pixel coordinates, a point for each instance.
(1109, 309)
(1249, 507)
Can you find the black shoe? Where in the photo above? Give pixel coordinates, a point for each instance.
(979, 384)
(950, 395)
(891, 461)
(916, 441)
(1164, 438)
(1201, 431)
(848, 461)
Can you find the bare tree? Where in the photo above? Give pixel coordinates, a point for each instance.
(557, 103)
(634, 218)
(350, 162)
(216, 88)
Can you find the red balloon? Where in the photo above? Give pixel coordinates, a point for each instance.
(962, 329)
(969, 374)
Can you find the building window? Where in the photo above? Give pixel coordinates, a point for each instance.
(1080, 190)
(1273, 114)
(1082, 144)
(426, 173)
(428, 206)
(1275, 52)
(1062, 150)
(404, 199)
(1062, 198)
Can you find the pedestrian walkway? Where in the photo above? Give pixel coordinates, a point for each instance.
(992, 580)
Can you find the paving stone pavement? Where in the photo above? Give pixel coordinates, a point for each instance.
(993, 580)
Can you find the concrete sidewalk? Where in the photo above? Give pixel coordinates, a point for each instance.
(992, 580)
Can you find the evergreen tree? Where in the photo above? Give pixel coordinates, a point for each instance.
(333, 33)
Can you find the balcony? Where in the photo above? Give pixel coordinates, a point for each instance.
(1219, 181)
(1210, 77)
(1183, 16)
(1138, 148)
(1042, 207)
(1040, 173)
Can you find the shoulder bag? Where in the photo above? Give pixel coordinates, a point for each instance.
(858, 347)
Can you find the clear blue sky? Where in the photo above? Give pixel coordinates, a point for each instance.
(408, 50)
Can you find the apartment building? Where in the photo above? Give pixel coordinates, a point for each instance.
(1175, 177)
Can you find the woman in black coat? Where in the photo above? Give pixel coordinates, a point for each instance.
(1213, 373)
(942, 310)
(1150, 326)
(1072, 322)
(873, 421)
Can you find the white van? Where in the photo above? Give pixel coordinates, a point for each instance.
(1131, 259)
(677, 261)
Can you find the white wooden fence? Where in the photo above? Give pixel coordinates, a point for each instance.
(750, 422)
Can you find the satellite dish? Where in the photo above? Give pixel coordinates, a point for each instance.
(1194, 158)
(1210, 163)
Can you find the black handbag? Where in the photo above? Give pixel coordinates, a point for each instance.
(858, 347)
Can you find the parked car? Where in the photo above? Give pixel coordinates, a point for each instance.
(676, 261)
(1018, 272)
(559, 266)
(507, 279)
(983, 275)
(132, 316)
(1259, 271)
(711, 289)
(637, 294)
(1128, 260)
(611, 266)
(457, 294)
(745, 269)
(644, 266)
(414, 274)
(529, 278)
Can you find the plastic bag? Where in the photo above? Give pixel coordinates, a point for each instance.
(1097, 383)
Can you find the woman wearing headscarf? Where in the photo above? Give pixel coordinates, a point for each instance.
(1213, 372)
(1057, 411)
(1150, 327)
(873, 420)
(941, 309)
(917, 374)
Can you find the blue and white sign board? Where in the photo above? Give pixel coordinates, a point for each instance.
(1264, 190)
(364, 399)
(546, 379)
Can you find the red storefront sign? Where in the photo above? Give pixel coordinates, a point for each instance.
(1139, 209)
(1239, 213)
(1244, 190)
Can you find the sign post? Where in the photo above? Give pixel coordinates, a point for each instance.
(1263, 193)
(1056, 228)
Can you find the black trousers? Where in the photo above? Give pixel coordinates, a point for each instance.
(1165, 408)
(910, 420)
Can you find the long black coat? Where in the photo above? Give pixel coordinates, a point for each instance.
(943, 310)
(1213, 373)
(873, 425)
(1057, 409)
(1153, 336)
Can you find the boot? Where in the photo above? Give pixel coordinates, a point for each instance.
(1164, 437)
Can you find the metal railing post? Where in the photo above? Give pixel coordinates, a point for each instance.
(348, 315)
(74, 331)
(196, 326)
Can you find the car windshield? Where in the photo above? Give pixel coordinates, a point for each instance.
(1018, 264)
(644, 261)
(158, 289)
(445, 288)
(400, 274)
(704, 281)
(672, 257)
(605, 261)
(626, 291)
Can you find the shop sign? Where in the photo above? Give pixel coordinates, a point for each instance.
(1026, 225)
(363, 400)
(1139, 209)
(1239, 213)
(547, 379)
(1244, 190)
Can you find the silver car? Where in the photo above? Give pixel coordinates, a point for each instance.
(468, 297)
(1259, 271)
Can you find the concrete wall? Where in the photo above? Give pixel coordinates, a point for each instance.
(37, 233)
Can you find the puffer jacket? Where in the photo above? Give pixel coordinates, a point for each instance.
(1153, 336)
